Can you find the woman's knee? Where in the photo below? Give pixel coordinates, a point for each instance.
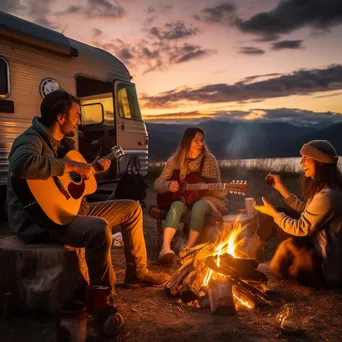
(177, 207)
(176, 211)
(201, 207)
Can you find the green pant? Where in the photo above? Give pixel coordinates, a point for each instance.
(199, 210)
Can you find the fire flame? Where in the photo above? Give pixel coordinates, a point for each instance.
(230, 245)
(243, 302)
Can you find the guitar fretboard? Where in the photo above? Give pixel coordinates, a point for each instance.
(206, 186)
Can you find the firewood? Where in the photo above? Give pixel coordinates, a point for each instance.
(244, 265)
(197, 282)
(186, 295)
(172, 286)
(221, 297)
(202, 250)
(254, 276)
(250, 275)
(239, 284)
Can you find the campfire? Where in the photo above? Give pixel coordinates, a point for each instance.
(219, 274)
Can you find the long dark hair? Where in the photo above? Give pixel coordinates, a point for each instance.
(183, 149)
(325, 175)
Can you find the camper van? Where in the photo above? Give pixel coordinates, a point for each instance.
(35, 60)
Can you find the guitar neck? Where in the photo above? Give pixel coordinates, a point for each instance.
(109, 156)
(206, 186)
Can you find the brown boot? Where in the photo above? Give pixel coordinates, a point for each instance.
(149, 279)
(254, 247)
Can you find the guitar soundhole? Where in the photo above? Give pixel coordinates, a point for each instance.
(75, 177)
(76, 190)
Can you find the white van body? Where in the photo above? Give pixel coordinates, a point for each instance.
(35, 60)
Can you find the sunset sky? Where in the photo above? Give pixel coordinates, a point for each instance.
(241, 60)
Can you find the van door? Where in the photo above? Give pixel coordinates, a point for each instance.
(130, 128)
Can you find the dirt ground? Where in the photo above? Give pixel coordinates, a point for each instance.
(153, 316)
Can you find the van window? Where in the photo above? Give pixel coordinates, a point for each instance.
(92, 114)
(96, 99)
(128, 106)
(4, 78)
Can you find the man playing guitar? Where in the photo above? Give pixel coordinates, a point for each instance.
(37, 155)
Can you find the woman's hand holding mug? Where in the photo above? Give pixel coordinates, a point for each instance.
(274, 180)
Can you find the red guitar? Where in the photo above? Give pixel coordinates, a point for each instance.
(193, 189)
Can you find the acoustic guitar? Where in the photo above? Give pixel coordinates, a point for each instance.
(194, 187)
(54, 202)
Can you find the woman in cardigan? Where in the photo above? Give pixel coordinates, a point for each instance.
(191, 156)
(313, 255)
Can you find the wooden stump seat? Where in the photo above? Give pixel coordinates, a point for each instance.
(39, 276)
(210, 223)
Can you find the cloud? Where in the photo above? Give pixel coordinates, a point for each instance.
(330, 95)
(290, 115)
(173, 31)
(290, 15)
(40, 12)
(36, 11)
(249, 79)
(300, 82)
(162, 8)
(287, 44)
(249, 50)
(105, 9)
(154, 11)
(219, 14)
(11, 6)
(147, 55)
(110, 9)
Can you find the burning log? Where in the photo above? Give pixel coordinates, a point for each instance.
(248, 291)
(221, 297)
(174, 285)
(225, 268)
(214, 269)
(198, 252)
(244, 265)
(186, 295)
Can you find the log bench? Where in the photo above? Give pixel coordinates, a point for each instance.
(36, 278)
(210, 229)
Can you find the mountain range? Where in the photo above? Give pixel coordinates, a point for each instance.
(240, 140)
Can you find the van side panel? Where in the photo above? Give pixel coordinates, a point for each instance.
(28, 67)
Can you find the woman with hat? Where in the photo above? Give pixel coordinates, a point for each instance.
(312, 254)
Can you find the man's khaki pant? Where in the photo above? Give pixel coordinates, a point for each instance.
(94, 232)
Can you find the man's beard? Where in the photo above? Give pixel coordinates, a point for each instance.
(67, 130)
(70, 134)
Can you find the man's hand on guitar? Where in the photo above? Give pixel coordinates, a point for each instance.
(101, 164)
(174, 186)
(84, 169)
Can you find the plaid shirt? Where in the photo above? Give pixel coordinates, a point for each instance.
(216, 198)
